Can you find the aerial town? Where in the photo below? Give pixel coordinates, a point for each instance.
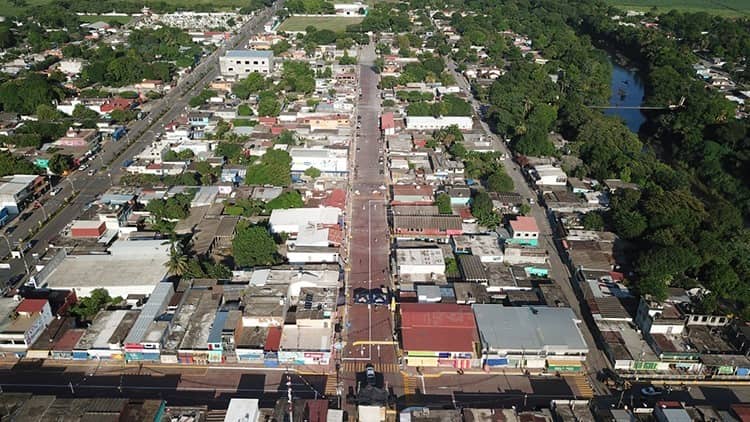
(407, 210)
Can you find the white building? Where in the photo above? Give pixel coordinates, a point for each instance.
(14, 191)
(420, 261)
(291, 220)
(22, 323)
(350, 9)
(240, 63)
(332, 162)
(549, 175)
(434, 123)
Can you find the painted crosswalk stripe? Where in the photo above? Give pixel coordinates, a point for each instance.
(331, 385)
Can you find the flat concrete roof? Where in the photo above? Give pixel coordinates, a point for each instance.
(529, 328)
(420, 256)
(305, 338)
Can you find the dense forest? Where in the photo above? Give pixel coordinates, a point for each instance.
(687, 223)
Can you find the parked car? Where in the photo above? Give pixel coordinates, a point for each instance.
(55, 191)
(370, 374)
(652, 391)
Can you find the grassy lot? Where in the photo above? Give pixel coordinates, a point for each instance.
(109, 19)
(8, 9)
(334, 23)
(739, 8)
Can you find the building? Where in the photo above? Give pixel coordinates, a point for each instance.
(516, 254)
(442, 122)
(104, 337)
(17, 191)
(240, 63)
(486, 247)
(87, 229)
(439, 334)
(293, 220)
(305, 345)
(412, 195)
(524, 231)
(330, 162)
(534, 337)
(427, 227)
(145, 339)
(387, 124)
(22, 323)
(420, 261)
(242, 410)
(549, 175)
(130, 267)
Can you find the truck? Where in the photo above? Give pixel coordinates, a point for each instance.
(119, 133)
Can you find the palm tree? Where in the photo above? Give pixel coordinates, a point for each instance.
(178, 261)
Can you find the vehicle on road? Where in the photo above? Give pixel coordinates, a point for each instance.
(370, 374)
(92, 172)
(55, 191)
(83, 167)
(10, 229)
(652, 391)
(25, 216)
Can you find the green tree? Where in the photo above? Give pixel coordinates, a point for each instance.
(274, 169)
(483, 210)
(253, 246)
(87, 307)
(443, 202)
(47, 112)
(312, 173)
(25, 94)
(60, 163)
(82, 112)
(178, 262)
(290, 199)
(244, 110)
(628, 224)
(268, 105)
(499, 181)
(593, 221)
(253, 84)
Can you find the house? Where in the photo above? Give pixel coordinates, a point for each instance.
(350, 9)
(516, 254)
(240, 63)
(104, 337)
(146, 338)
(438, 334)
(524, 231)
(22, 323)
(548, 175)
(442, 122)
(412, 195)
(78, 138)
(433, 226)
(460, 195)
(293, 220)
(533, 337)
(387, 124)
(486, 247)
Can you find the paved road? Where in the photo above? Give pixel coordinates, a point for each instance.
(369, 244)
(140, 134)
(558, 270)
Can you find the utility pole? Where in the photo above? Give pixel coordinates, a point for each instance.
(289, 397)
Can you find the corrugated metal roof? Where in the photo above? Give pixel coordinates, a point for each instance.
(155, 305)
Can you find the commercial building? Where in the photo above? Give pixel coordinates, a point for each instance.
(434, 123)
(130, 267)
(22, 323)
(427, 227)
(240, 63)
(330, 161)
(486, 247)
(103, 339)
(294, 219)
(420, 261)
(145, 339)
(521, 254)
(439, 334)
(17, 191)
(534, 337)
(549, 175)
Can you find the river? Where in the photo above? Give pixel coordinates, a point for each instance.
(627, 90)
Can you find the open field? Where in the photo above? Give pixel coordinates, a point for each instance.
(334, 23)
(717, 7)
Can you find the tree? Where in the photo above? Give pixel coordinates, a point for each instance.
(253, 246)
(499, 181)
(82, 112)
(47, 112)
(483, 210)
(123, 116)
(628, 224)
(254, 83)
(443, 202)
(268, 105)
(244, 110)
(593, 221)
(177, 264)
(24, 95)
(87, 307)
(10, 164)
(312, 173)
(229, 151)
(60, 163)
(274, 169)
(290, 199)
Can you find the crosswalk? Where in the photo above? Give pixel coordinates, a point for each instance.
(386, 368)
(581, 384)
(410, 384)
(330, 385)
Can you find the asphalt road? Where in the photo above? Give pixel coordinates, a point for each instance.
(369, 245)
(559, 272)
(65, 206)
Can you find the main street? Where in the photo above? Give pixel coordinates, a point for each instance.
(368, 329)
(559, 272)
(65, 206)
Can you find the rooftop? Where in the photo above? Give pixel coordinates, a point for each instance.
(420, 256)
(249, 53)
(524, 224)
(438, 327)
(529, 328)
(294, 337)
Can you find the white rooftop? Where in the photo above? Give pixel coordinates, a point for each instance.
(291, 220)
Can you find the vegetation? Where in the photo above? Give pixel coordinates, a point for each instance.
(483, 210)
(253, 84)
(10, 164)
(178, 262)
(443, 202)
(297, 77)
(290, 199)
(312, 173)
(23, 95)
(87, 307)
(450, 105)
(499, 181)
(202, 98)
(274, 168)
(330, 23)
(173, 208)
(729, 8)
(253, 246)
(61, 163)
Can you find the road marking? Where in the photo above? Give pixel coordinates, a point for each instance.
(359, 366)
(409, 384)
(581, 385)
(330, 385)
